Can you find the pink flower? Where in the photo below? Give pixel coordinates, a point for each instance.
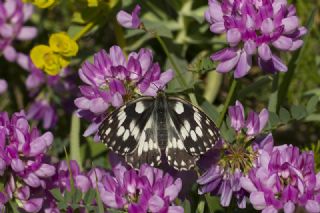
(283, 178)
(252, 28)
(130, 21)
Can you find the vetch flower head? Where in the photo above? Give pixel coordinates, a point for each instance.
(130, 20)
(146, 190)
(283, 178)
(112, 78)
(254, 123)
(223, 183)
(13, 15)
(237, 157)
(254, 27)
(22, 162)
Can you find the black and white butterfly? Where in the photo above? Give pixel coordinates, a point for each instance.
(147, 128)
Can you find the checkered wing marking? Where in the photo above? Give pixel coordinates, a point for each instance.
(176, 153)
(147, 150)
(198, 132)
(122, 129)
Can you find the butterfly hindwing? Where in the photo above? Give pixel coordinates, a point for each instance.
(176, 153)
(121, 130)
(147, 150)
(198, 132)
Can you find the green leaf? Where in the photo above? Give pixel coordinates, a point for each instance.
(210, 110)
(312, 104)
(200, 207)
(89, 196)
(68, 196)
(273, 119)
(57, 194)
(158, 28)
(284, 115)
(77, 196)
(298, 112)
(186, 206)
(212, 87)
(62, 205)
(213, 203)
(202, 65)
(313, 117)
(227, 133)
(174, 85)
(75, 139)
(253, 87)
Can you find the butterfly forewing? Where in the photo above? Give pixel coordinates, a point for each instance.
(198, 132)
(122, 129)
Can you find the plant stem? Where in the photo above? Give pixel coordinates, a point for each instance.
(84, 30)
(228, 100)
(273, 105)
(75, 140)
(70, 171)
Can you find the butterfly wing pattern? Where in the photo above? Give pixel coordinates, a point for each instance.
(145, 129)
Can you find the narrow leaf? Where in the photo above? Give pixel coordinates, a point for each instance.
(75, 139)
(89, 196)
(57, 194)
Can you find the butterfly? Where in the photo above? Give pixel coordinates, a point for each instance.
(147, 128)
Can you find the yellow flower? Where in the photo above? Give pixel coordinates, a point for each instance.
(44, 58)
(63, 44)
(41, 3)
(93, 3)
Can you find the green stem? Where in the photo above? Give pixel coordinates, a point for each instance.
(84, 30)
(70, 171)
(228, 100)
(273, 100)
(75, 139)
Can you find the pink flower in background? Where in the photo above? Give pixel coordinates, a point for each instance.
(22, 162)
(3, 86)
(146, 190)
(254, 27)
(112, 77)
(283, 178)
(130, 20)
(13, 15)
